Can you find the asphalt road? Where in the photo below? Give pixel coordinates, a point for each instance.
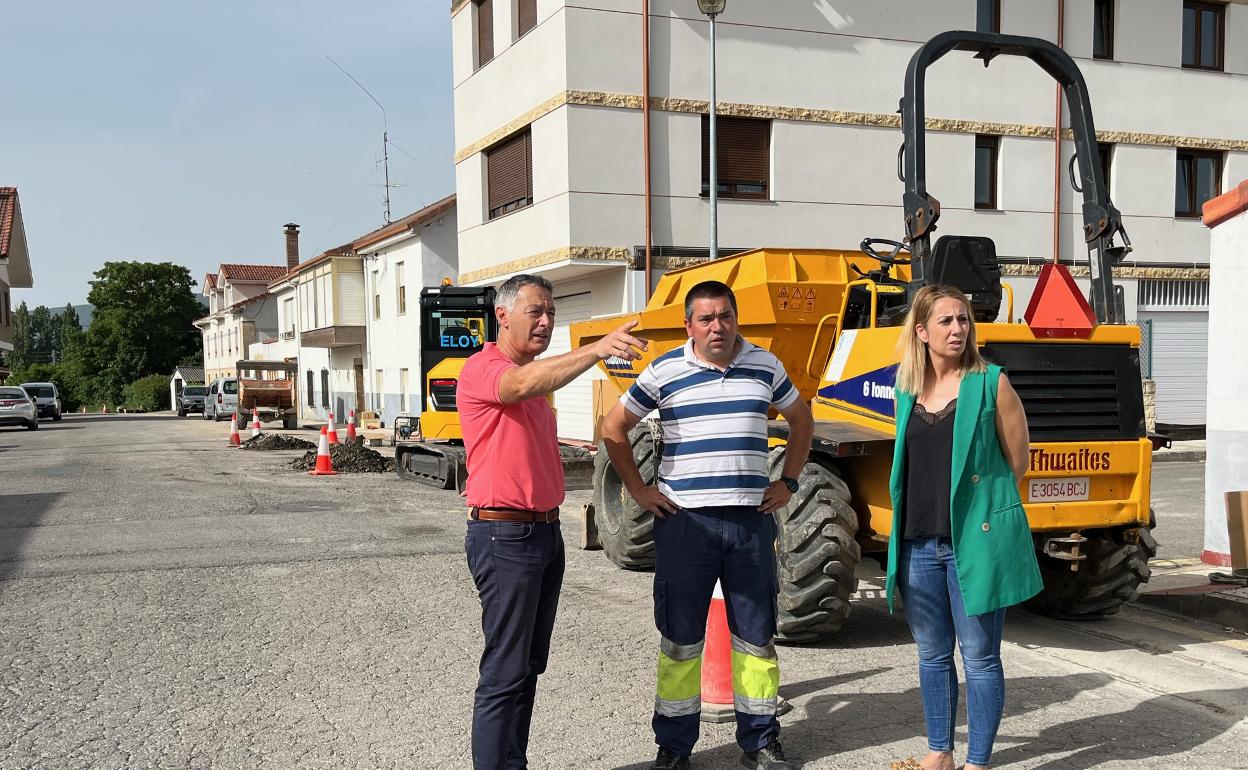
(168, 602)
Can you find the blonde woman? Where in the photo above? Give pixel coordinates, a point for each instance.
(960, 550)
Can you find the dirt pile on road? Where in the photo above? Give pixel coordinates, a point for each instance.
(277, 441)
(349, 458)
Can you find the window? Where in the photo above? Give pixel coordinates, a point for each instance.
(311, 388)
(509, 175)
(986, 171)
(1202, 35)
(376, 295)
(744, 162)
(1197, 178)
(1106, 151)
(1103, 29)
(526, 17)
(379, 381)
(403, 386)
(325, 388)
(401, 289)
(485, 32)
(461, 331)
(288, 315)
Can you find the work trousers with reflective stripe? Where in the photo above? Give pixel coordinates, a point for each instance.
(518, 570)
(693, 549)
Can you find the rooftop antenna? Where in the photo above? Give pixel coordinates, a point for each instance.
(385, 134)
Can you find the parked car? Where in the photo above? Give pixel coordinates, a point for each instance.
(47, 398)
(191, 399)
(222, 399)
(18, 408)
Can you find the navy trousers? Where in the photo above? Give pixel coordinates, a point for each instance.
(518, 570)
(693, 549)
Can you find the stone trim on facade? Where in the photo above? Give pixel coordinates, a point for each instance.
(834, 117)
(604, 254)
(1122, 271)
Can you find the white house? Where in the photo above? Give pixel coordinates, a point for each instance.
(552, 167)
(240, 312)
(14, 268)
(413, 252)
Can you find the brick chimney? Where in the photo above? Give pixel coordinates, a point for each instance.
(292, 246)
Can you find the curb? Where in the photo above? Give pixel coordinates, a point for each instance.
(1179, 456)
(1211, 603)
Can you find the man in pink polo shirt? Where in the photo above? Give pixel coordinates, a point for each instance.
(515, 486)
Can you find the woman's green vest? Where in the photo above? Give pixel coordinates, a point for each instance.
(992, 546)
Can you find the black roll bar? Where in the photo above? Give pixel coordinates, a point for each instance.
(1101, 220)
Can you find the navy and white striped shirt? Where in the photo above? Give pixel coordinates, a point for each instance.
(714, 423)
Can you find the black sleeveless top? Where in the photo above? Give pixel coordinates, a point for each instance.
(929, 463)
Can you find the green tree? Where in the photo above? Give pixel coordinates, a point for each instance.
(20, 355)
(141, 326)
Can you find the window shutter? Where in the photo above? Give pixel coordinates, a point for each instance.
(527, 12)
(485, 32)
(509, 174)
(744, 150)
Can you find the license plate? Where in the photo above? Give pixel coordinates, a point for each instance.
(1057, 490)
(6, 407)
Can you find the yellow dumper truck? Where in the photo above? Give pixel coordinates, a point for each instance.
(833, 318)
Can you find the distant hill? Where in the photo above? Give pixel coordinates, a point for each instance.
(84, 314)
(85, 311)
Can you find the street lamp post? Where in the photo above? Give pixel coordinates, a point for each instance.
(713, 8)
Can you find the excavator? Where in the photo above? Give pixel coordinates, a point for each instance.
(455, 322)
(833, 318)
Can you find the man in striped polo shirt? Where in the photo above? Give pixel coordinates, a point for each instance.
(713, 503)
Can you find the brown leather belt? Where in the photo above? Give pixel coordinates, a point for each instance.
(515, 514)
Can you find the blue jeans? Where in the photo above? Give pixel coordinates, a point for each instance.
(928, 582)
(518, 570)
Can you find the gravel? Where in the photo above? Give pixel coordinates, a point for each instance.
(277, 441)
(349, 458)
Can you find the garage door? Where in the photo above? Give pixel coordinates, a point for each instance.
(1180, 362)
(575, 401)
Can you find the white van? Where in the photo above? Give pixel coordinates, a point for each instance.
(222, 399)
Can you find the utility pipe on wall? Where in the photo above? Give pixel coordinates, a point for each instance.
(645, 134)
(1057, 143)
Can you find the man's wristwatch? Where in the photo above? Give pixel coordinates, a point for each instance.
(790, 483)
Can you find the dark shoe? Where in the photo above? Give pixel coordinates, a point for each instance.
(667, 760)
(769, 757)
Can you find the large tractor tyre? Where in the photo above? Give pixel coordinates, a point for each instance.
(625, 529)
(816, 554)
(1110, 577)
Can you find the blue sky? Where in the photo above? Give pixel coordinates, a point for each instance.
(191, 132)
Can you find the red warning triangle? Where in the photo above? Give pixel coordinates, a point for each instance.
(1057, 307)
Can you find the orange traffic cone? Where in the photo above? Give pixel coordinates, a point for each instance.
(331, 434)
(324, 465)
(717, 663)
(351, 435)
(255, 423)
(234, 440)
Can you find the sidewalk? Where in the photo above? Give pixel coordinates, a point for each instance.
(1181, 452)
(1182, 586)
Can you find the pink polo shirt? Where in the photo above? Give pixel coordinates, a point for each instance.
(513, 449)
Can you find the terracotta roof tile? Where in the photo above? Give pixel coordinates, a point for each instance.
(257, 273)
(210, 280)
(1228, 204)
(408, 223)
(8, 208)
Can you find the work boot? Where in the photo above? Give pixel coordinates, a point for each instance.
(769, 757)
(667, 760)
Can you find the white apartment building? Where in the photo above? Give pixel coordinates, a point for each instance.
(240, 312)
(14, 269)
(551, 162)
(416, 251)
